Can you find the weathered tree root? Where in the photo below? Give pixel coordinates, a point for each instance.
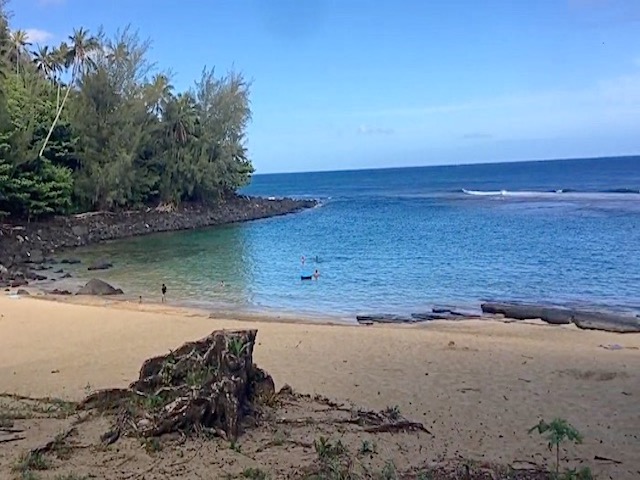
(210, 384)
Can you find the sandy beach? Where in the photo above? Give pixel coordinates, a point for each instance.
(477, 385)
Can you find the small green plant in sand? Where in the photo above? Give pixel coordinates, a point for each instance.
(393, 412)
(88, 389)
(31, 461)
(28, 475)
(255, 474)
(235, 446)
(557, 432)
(280, 437)
(367, 447)
(389, 471)
(152, 445)
(5, 420)
(236, 346)
(325, 449)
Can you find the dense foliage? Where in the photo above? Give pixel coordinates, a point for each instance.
(91, 124)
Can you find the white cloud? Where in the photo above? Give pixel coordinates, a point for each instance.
(35, 35)
(367, 130)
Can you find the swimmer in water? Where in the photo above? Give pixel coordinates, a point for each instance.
(316, 274)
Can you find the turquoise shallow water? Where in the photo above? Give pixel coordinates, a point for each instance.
(402, 240)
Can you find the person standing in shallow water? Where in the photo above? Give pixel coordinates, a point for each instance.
(164, 292)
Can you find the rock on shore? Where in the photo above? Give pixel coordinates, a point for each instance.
(585, 319)
(29, 244)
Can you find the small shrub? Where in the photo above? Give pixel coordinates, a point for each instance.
(31, 461)
(279, 438)
(5, 421)
(71, 476)
(367, 447)
(393, 412)
(152, 445)
(557, 432)
(583, 474)
(389, 471)
(325, 449)
(255, 474)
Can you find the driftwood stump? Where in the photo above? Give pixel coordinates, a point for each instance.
(210, 384)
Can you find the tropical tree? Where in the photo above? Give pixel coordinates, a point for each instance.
(44, 61)
(19, 44)
(111, 130)
(83, 45)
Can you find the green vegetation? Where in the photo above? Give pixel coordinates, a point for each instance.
(255, 474)
(31, 461)
(236, 346)
(393, 412)
(93, 124)
(557, 432)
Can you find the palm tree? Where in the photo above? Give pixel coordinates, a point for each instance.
(79, 56)
(44, 61)
(61, 59)
(83, 46)
(19, 44)
(181, 117)
(161, 92)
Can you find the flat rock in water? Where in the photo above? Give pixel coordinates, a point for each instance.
(70, 261)
(100, 265)
(384, 318)
(426, 316)
(607, 321)
(57, 291)
(553, 315)
(96, 286)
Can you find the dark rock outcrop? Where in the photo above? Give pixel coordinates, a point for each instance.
(23, 292)
(70, 261)
(608, 322)
(385, 318)
(553, 315)
(585, 319)
(100, 265)
(22, 243)
(57, 291)
(96, 286)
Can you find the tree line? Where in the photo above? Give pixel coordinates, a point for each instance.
(93, 124)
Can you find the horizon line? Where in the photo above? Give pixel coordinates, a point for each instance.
(600, 157)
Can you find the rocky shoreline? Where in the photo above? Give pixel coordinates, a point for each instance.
(25, 246)
(609, 321)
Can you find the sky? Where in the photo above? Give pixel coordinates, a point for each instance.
(347, 84)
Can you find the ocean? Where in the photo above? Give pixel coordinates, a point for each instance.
(403, 240)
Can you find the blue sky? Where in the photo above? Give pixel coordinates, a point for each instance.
(341, 84)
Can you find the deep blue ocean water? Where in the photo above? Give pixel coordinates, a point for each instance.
(402, 240)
